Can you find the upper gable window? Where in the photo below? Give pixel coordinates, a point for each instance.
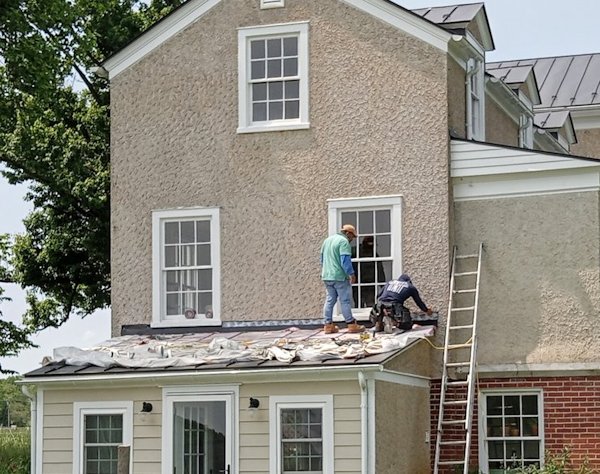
(186, 278)
(475, 103)
(273, 78)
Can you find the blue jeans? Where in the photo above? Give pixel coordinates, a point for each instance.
(335, 290)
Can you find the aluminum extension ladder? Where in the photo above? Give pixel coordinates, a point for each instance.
(457, 392)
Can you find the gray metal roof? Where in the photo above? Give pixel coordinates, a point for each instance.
(511, 75)
(450, 14)
(564, 81)
(551, 119)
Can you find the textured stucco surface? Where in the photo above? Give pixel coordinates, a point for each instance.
(456, 99)
(414, 360)
(499, 127)
(540, 289)
(588, 143)
(378, 111)
(402, 418)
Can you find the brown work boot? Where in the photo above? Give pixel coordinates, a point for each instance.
(354, 327)
(330, 328)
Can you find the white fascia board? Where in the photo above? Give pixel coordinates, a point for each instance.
(477, 159)
(525, 185)
(506, 98)
(545, 141)
(585, 119)
(463, 47)
(405, 21)
(184, 16)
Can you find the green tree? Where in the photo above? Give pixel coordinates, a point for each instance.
(54, 136)
(14, 405)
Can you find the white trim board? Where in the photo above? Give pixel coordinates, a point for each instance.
(193, 10)
(39, 431)
(521, 369)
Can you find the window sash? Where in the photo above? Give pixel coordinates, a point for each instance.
(512, 438)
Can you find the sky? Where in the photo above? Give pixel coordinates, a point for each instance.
(521, 29)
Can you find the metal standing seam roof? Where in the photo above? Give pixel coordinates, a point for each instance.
(564, 81)
(149, 349)
(510, 75)
(551, 120)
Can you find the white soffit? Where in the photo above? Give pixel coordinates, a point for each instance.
(482, 171)
(191, 11)
(172, 24)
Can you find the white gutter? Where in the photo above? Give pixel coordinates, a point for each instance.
(32, 425)
(364, 424)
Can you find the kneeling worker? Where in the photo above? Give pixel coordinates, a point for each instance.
(396, 292)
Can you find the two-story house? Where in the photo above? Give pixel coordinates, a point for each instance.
(243, 133)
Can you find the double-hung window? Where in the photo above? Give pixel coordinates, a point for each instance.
(99, 429)
(273, 77)
(376, 252)
(301, 434)
(186, 279)
(511, 426)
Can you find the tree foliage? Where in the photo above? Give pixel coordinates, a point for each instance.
(14, 405)
(54, 136)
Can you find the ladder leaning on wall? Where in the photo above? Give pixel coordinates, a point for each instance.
(457, 391)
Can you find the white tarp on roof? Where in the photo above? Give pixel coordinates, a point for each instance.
(186, 350)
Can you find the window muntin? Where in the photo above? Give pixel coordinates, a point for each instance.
(273, 77)
(103, 435)
(301, 440)
(186, 267)
(301, 434)
(376, 252)
(512, 426)
(371, 252)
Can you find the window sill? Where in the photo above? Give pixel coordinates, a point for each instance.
(274, 127)
(176, 323)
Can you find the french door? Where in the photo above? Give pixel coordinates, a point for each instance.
(198, 433)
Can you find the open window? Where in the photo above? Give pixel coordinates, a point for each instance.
(377, 250)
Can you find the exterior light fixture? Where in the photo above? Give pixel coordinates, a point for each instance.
(146, 407)
(254, 403)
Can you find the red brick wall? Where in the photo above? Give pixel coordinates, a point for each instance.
(571, 414)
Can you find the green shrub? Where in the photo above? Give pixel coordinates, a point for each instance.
(14, 451)
(559, 464)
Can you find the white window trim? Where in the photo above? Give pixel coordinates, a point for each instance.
(80, 409)
(475, 130)
(526, 131)
(215, 235)
(244, 36)
(483, 452)
(395, 202)
(264, 4)
(325, 402)
(171, 395)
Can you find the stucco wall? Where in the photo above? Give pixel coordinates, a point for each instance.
(588, 143)
(540, 290)
(402, 418)
(500, 128)
(456, 99)
(378, 108)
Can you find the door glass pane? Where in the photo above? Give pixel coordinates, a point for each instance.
(199, 437)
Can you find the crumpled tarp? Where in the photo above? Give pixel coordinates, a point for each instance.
(197, 349)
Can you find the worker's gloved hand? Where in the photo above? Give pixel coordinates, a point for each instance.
(429, 312)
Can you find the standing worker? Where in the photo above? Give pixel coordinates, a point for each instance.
(338, 275)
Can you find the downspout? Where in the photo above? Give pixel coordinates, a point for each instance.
(364, 425)
(471, 71)
(32, 425)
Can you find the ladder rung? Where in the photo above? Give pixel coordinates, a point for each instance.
(462, 274)
(453, 443)
(450, 463)
(468, 326)
(459, 346)
(465, 291)
(455, 402)
(473, 255)
(466, 308)
(454, 422)
(457, 383)
(458, 364)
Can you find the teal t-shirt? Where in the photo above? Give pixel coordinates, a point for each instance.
(331, 251)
